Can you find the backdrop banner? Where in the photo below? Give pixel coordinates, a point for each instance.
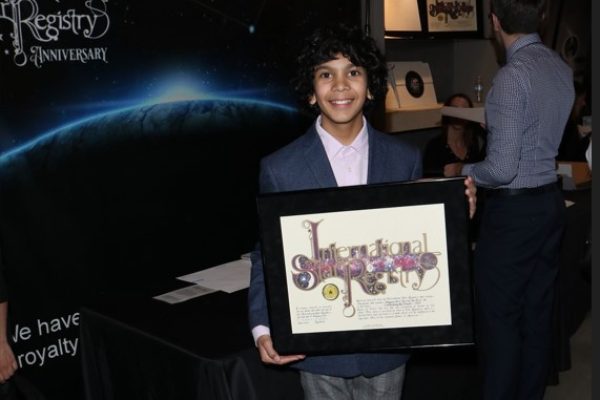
(130, 138)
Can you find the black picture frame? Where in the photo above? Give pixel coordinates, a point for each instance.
(463, 20)
(375, 203)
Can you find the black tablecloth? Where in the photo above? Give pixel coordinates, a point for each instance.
(135, 347)
(140, 348)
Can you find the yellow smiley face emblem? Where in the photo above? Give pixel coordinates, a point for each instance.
(330, 291)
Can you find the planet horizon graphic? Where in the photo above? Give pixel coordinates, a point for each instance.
(122, 203)
(172, 118)
(132, 191)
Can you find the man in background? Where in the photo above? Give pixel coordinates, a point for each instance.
(516, 258)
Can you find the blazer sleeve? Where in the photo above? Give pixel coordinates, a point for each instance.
(257, 297)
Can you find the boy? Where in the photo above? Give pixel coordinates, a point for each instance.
(341, 72)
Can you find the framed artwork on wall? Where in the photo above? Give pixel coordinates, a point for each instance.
(433, 19)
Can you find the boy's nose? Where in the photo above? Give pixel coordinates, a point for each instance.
(340, 83)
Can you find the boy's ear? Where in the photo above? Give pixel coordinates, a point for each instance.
(312, 100)
(369, 95)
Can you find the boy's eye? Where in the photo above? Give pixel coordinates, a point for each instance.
(355, 72)
(325, 75)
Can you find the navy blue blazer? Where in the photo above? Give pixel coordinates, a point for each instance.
(303, 164)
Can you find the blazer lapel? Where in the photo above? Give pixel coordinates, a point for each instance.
(377, 158)
(317, 161)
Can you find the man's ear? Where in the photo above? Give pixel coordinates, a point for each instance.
(496, 23)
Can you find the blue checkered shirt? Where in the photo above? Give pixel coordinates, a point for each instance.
(526, 112)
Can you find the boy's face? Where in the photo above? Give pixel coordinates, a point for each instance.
(340, 91)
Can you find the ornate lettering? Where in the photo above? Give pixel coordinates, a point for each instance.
(29, 23)
(366, 264)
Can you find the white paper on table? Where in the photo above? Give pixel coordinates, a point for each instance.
(566, 170)
(475, 114)
(228, 277)
(183, 294)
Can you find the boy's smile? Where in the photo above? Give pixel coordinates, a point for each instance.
(340, 91)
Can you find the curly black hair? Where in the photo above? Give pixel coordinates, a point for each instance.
(323, 46)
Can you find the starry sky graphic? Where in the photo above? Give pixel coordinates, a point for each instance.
(181, 49)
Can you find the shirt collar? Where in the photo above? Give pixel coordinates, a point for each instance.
(333, 147)
(521, 42)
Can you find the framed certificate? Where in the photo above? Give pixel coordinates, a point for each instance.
(433, 18)
(452, 16)
(367, 268)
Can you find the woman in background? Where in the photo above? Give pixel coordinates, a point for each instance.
(460, 141)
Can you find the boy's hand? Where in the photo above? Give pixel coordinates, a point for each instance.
(268, 355)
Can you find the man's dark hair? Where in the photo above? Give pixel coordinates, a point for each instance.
(323, 46)
(518, 16)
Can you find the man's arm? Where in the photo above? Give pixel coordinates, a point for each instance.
(504, 113)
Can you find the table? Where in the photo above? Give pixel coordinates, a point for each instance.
(135, 347)
(411, 119)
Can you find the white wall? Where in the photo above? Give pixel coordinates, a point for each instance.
(473, 58)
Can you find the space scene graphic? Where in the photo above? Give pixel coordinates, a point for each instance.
(131, 134)
(67, 60)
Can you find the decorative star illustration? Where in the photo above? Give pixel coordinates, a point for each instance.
(251, 27)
